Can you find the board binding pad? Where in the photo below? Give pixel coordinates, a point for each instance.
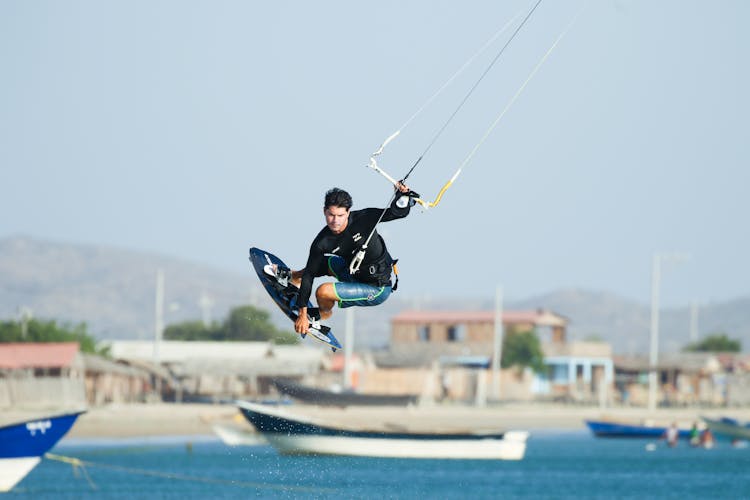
(284, 296)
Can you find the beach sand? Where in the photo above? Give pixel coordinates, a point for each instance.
(164, 419)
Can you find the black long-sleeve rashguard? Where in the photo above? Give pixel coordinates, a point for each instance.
(348, 243)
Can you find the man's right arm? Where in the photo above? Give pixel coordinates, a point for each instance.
(314, 260)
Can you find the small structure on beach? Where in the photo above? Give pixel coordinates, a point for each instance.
(214, 371)
(59, 375)
(41, 375)
(110, 382)
(684, 379)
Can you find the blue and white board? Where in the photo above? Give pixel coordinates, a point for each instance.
(284, 295)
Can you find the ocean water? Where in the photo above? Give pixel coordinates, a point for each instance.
(557, 465)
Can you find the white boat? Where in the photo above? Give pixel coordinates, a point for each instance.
(291, 434)
(23, 444)
(232, 435)
(729, 428)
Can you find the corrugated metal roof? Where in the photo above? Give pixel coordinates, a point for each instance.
(175, 351)
(98, 364)
(685, 361)
(542, 317)
(191, 358)
(38, 355)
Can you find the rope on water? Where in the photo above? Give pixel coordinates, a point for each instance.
(80, 465)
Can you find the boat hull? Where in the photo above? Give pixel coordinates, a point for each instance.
(23, 444)
(602, 428)
(329, 398)
(233, 436)
(728, 428)
(485, 449)
(295, 435)
(12, 470)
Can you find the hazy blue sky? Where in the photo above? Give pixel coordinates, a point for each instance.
(198, 129)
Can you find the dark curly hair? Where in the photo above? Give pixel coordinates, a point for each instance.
(336, 197)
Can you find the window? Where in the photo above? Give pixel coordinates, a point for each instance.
(456, 333)
(424, 333)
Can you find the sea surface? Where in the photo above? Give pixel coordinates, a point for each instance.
(557, 465)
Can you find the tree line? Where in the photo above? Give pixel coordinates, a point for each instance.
(248, 323)
(244, 323)
(37, 330)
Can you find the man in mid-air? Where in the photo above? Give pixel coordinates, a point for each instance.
(336, 246)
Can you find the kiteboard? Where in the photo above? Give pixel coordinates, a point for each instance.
(285, 294)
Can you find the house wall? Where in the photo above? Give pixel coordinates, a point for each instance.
(398, 381)
(42, 392)
(447, 384)
(474, 331)
(410, 332)
(103, 388)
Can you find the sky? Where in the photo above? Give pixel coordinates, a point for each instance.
(197, 129)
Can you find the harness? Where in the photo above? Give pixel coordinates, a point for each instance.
(379, 272)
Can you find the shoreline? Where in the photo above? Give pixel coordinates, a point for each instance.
(169, 419)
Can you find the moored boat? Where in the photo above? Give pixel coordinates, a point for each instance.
(292, 434)
(23, 444)
(610, 428)
(324, 397)
(729, 428)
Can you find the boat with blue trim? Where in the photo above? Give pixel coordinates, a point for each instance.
(23, 444)
(646, 429)
(298, 435)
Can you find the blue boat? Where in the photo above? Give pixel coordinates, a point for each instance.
(609, 428)
(23, 444)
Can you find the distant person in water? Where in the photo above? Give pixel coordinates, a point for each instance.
(672, 435)
(707, 439)
(695, 435)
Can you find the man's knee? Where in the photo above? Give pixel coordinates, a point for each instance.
(327, 292)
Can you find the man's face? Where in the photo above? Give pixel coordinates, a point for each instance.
(336, 218)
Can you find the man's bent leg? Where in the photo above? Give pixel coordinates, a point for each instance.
(327, 299)
(351, 294)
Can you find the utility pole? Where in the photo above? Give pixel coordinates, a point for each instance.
(26, 315)
(497, 351)
(206, 303)
(158, 323)
(694, 321)
(349, 343)
(654, 351)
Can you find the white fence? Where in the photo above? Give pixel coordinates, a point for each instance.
(42, 392)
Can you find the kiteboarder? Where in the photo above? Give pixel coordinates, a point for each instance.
(350, 249)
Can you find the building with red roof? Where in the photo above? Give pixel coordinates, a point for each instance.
(457, 341)
(472, 326)
(48, 356)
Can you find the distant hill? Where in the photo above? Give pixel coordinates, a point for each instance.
(626, 324)
(113, 292)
